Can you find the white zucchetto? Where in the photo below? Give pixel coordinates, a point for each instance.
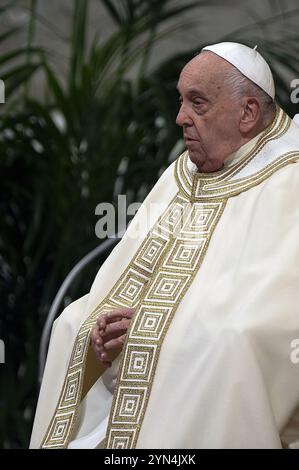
(248, 61)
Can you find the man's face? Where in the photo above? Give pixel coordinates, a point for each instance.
(208, 114)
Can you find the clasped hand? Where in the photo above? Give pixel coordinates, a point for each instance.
(110, 332)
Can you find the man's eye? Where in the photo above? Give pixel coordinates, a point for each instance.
(197, 102)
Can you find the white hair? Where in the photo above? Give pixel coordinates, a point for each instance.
(241, 86)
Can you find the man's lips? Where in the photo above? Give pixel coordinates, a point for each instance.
(188, 138)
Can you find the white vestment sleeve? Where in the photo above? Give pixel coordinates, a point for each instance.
(95, 409)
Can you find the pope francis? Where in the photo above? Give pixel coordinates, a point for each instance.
(185, 338)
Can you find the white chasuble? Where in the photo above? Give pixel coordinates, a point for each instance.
(209, 358)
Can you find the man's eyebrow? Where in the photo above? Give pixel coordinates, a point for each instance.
(195, 91)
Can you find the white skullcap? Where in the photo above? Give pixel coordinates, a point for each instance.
(248, 61)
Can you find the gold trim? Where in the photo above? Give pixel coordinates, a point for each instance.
(212, 186)
(159, 287)
(164, 293)
(154, 283)
(63, 422)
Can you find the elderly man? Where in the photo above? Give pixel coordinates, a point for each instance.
(186, 337)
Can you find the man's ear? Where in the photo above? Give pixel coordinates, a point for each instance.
(250, 115)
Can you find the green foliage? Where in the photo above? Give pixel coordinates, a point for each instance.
(96, 135)
(59, 159)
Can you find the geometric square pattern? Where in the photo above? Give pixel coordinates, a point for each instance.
(184, 254)
(191, 226)
(140, 359)
(121, 439)
(199, 220)
(59, 430)
(149, 322)
(129, 405)
(129, 289)
(71, 389)
(150, 253)
(171, 222)
(167, 287)
(153, 284)
(174, 215)
(79, 351)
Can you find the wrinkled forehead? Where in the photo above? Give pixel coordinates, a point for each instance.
(206, 70)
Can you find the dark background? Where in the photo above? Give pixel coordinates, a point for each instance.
(89, 113)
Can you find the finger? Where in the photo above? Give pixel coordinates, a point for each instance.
(113, 316)
(115, 343)
(122, 313)
(101, 321)
(94, 330)
(116, 312)
(97, 338)
(117, 315)
(99, 347)
(103, 359)
(94, 335)
(97, 350)
(96, 341)
(115, 329)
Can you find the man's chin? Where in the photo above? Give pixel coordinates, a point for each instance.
(196, 158)
(204, 165)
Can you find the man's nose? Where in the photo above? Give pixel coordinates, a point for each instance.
(183, 118)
